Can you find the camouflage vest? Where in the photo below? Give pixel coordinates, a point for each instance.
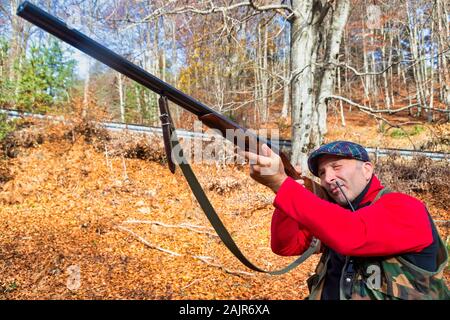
(384, 278)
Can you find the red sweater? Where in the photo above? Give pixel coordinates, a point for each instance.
(395, 224)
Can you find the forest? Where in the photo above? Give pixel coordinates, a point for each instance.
(76, 198)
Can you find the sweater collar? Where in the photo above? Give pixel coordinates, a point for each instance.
(368, 194)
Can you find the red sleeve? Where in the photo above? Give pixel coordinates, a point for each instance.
(288, 237)
(395, 224)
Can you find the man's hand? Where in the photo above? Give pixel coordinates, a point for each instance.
(299, 171)
(266, 168)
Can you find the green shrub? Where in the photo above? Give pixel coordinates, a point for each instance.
(6, 86)
(6, 126)
(400, 133)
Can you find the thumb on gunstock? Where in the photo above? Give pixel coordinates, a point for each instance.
(265, 150)
(298, 169)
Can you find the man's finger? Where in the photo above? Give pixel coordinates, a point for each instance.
(265, 150)
(255, 170)
(264, 159)
(240, 152)
(250, 156)
(254, 158)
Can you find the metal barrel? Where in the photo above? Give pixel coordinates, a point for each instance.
(61, 30)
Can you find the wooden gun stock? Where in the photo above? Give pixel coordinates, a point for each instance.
(253, 143)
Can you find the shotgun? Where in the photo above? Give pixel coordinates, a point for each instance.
(206, 115)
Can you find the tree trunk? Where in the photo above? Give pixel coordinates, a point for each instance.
(386, 63)
(256, 93)
(417, 69)
(120, 88)
(137, 92)
(286, 89)
(374, 84)
(366, 79)
(19, 38)
(264, 77)
(88, 13)
(310, 88)
(331, 59)
(304, 39)
(341, 104)
(86, 89)
(391, 72)
(443, 34)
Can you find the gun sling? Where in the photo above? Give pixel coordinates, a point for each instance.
(172, 143)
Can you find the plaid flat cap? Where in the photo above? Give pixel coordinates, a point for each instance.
(339, 148)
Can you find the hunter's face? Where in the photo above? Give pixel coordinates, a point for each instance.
(352, 175)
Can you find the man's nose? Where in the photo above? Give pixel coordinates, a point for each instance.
(330, 176)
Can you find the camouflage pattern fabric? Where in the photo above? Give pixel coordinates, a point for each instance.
(399, 279)
(388, 278)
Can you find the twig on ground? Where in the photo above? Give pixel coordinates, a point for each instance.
(148, 244)
(204, 259)
(182, 226)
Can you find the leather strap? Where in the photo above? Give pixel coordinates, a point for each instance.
(214, 219)
(383, 191)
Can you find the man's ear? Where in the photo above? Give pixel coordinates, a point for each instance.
(367, 170)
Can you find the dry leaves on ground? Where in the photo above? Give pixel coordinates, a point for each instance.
(80, 222)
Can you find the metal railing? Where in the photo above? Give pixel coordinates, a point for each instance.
(286, 144)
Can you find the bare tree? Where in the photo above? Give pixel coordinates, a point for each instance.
(313, 24)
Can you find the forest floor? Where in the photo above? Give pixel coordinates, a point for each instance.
(132, 230)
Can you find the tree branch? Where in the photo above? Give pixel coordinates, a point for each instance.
(415, 61)
(223, 9)
(389, 111)
(371, 112)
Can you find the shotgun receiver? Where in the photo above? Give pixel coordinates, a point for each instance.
(206, 115)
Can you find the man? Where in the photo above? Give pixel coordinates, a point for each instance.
(376, 244)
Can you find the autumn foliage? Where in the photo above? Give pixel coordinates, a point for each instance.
(75, 196)
(133, 229)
